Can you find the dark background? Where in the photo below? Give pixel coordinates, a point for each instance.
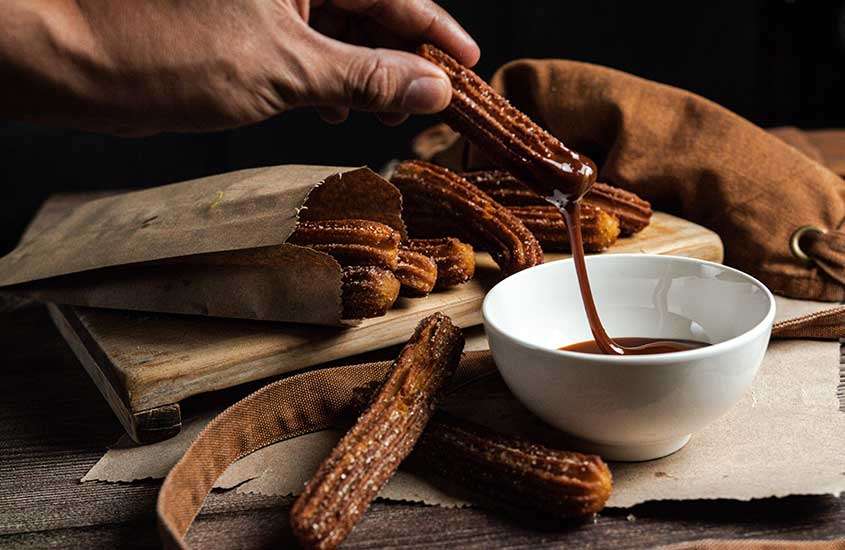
(775, 62)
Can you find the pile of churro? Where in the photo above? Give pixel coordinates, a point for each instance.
(525, 151)
(449, 215)
(378, 266)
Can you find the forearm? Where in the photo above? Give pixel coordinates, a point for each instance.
(137, 68)
(132, 69)
(47, 62)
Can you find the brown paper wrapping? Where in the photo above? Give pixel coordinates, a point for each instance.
(160, 249)
(782, 438)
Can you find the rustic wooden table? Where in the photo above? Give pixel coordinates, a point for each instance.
(54, 425)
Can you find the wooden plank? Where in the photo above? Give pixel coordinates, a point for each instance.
(145, 426)
(159, 360)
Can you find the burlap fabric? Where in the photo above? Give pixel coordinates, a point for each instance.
(319, 399)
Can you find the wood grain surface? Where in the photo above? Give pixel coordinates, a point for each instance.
(153, 360)
(54, 426)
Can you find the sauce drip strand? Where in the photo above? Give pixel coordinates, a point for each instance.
(571, 211)
(556, 172)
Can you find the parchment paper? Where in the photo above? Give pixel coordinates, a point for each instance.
(119, 251)
(784, 437)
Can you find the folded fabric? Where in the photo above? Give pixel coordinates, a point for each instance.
(691, 157)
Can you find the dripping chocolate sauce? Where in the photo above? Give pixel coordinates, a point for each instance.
(571, 209)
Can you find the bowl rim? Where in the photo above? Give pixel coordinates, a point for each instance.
(656, 359)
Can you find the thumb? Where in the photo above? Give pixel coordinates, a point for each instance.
(377, 80)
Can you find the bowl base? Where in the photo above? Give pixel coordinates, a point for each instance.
(634, 452)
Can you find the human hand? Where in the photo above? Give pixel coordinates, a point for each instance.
(145, 67)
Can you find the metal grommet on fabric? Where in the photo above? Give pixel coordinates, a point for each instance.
(795, 241)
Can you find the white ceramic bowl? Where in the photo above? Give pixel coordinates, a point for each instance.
(636, 407)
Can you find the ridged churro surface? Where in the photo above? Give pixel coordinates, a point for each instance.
(417, 273)
(633, 212)
(436, 193)
(367, 456)
(368, 291)
(509, 137)
(510, 471)
(351, 242)
(599, 230)
(455, 259)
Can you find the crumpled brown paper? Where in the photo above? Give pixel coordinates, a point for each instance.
(118, 251)
(782, 438)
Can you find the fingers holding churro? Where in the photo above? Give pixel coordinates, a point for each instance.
(508, 136)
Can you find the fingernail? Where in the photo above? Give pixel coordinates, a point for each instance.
(426, 94)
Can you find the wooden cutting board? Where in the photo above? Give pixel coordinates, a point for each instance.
(145, 364)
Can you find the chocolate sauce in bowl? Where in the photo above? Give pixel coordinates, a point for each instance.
(638, 346)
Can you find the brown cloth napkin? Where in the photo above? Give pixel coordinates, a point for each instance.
(692, 157)
(316, 400)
